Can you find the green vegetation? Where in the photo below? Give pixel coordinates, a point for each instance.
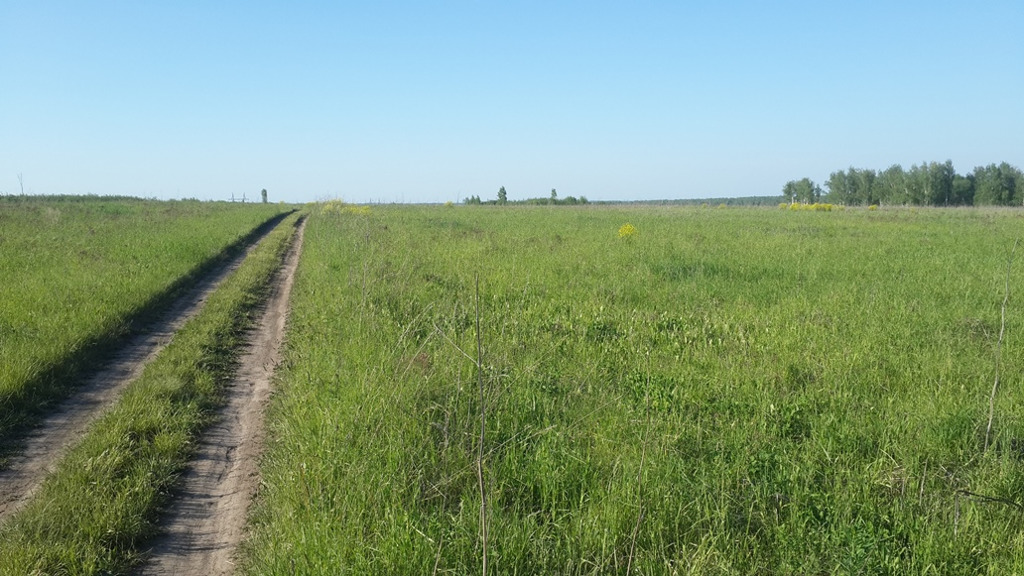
(78, 272)
(930, 184)
(738, 391)
(91, 514)
(553, 200)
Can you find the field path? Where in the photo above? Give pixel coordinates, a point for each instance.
(207, 519)
(50, 440)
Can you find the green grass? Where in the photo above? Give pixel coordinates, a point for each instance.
(93, 512)
(77, 274)
(767, 391)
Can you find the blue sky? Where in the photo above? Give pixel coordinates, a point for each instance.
(430, 102)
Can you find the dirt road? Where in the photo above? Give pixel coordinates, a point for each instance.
(50, 440)
(207, 519)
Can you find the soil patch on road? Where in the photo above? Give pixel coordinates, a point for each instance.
(206, 520)
(46, 443)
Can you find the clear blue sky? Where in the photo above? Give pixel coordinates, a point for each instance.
(436, 101)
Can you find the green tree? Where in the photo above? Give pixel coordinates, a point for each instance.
(789, 191)
(806, 191)
(554, 196)
(862, 186)
(839, 189)
(998, 185)
(931, 184)
(891, 185)
(963, 190)
(502, 196)
(917, 185)
(264, 194)
(940, 183)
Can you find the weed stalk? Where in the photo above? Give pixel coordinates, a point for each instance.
(640, 472)
(999, 346)
(483, 425)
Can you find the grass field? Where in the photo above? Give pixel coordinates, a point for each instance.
(76, 273)
(723, 391)
(95, 512)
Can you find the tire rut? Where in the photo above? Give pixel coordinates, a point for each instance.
(43, 446)
(206, 520)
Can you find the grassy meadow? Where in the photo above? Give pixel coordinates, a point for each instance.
(76, 274)
(720, 391)
(94, 513)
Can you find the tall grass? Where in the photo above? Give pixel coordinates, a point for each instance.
(94, 513)
(77, 274)
(729, 391)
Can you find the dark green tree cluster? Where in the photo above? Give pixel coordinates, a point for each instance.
(804, 191)
(927, 184)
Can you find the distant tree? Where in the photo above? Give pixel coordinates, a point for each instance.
(917, 185)
(862, 186)
(963, 190)
(502, 196)
(839, 189)
(554, 195)
(789, 191)
(473, 200)
(891, 185)
(1000, 185)
(264, 194)
(940, 183)
(925, 184)
(806, 191)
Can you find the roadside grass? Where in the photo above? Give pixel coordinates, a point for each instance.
(731, 391)
(95, 511)
(79, 274)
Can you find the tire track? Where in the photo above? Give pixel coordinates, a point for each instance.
(206, 520)
(50, 440)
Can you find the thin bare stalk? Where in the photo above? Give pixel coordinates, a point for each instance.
(640, 472)
(437, 558)
(924, 474)
(999, 346)
(956, 515)
(483, 427)
(990, 499)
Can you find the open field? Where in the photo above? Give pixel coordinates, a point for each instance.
(95, 513)
(724, 391)
(706, 391)
(77, 274)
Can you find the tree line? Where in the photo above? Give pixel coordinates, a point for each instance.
(927, 184)
(552, 200)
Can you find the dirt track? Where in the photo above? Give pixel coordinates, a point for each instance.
(44, 446)
(207, 519)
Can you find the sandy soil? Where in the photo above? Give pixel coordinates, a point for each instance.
(48, 442)
(206, 521)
